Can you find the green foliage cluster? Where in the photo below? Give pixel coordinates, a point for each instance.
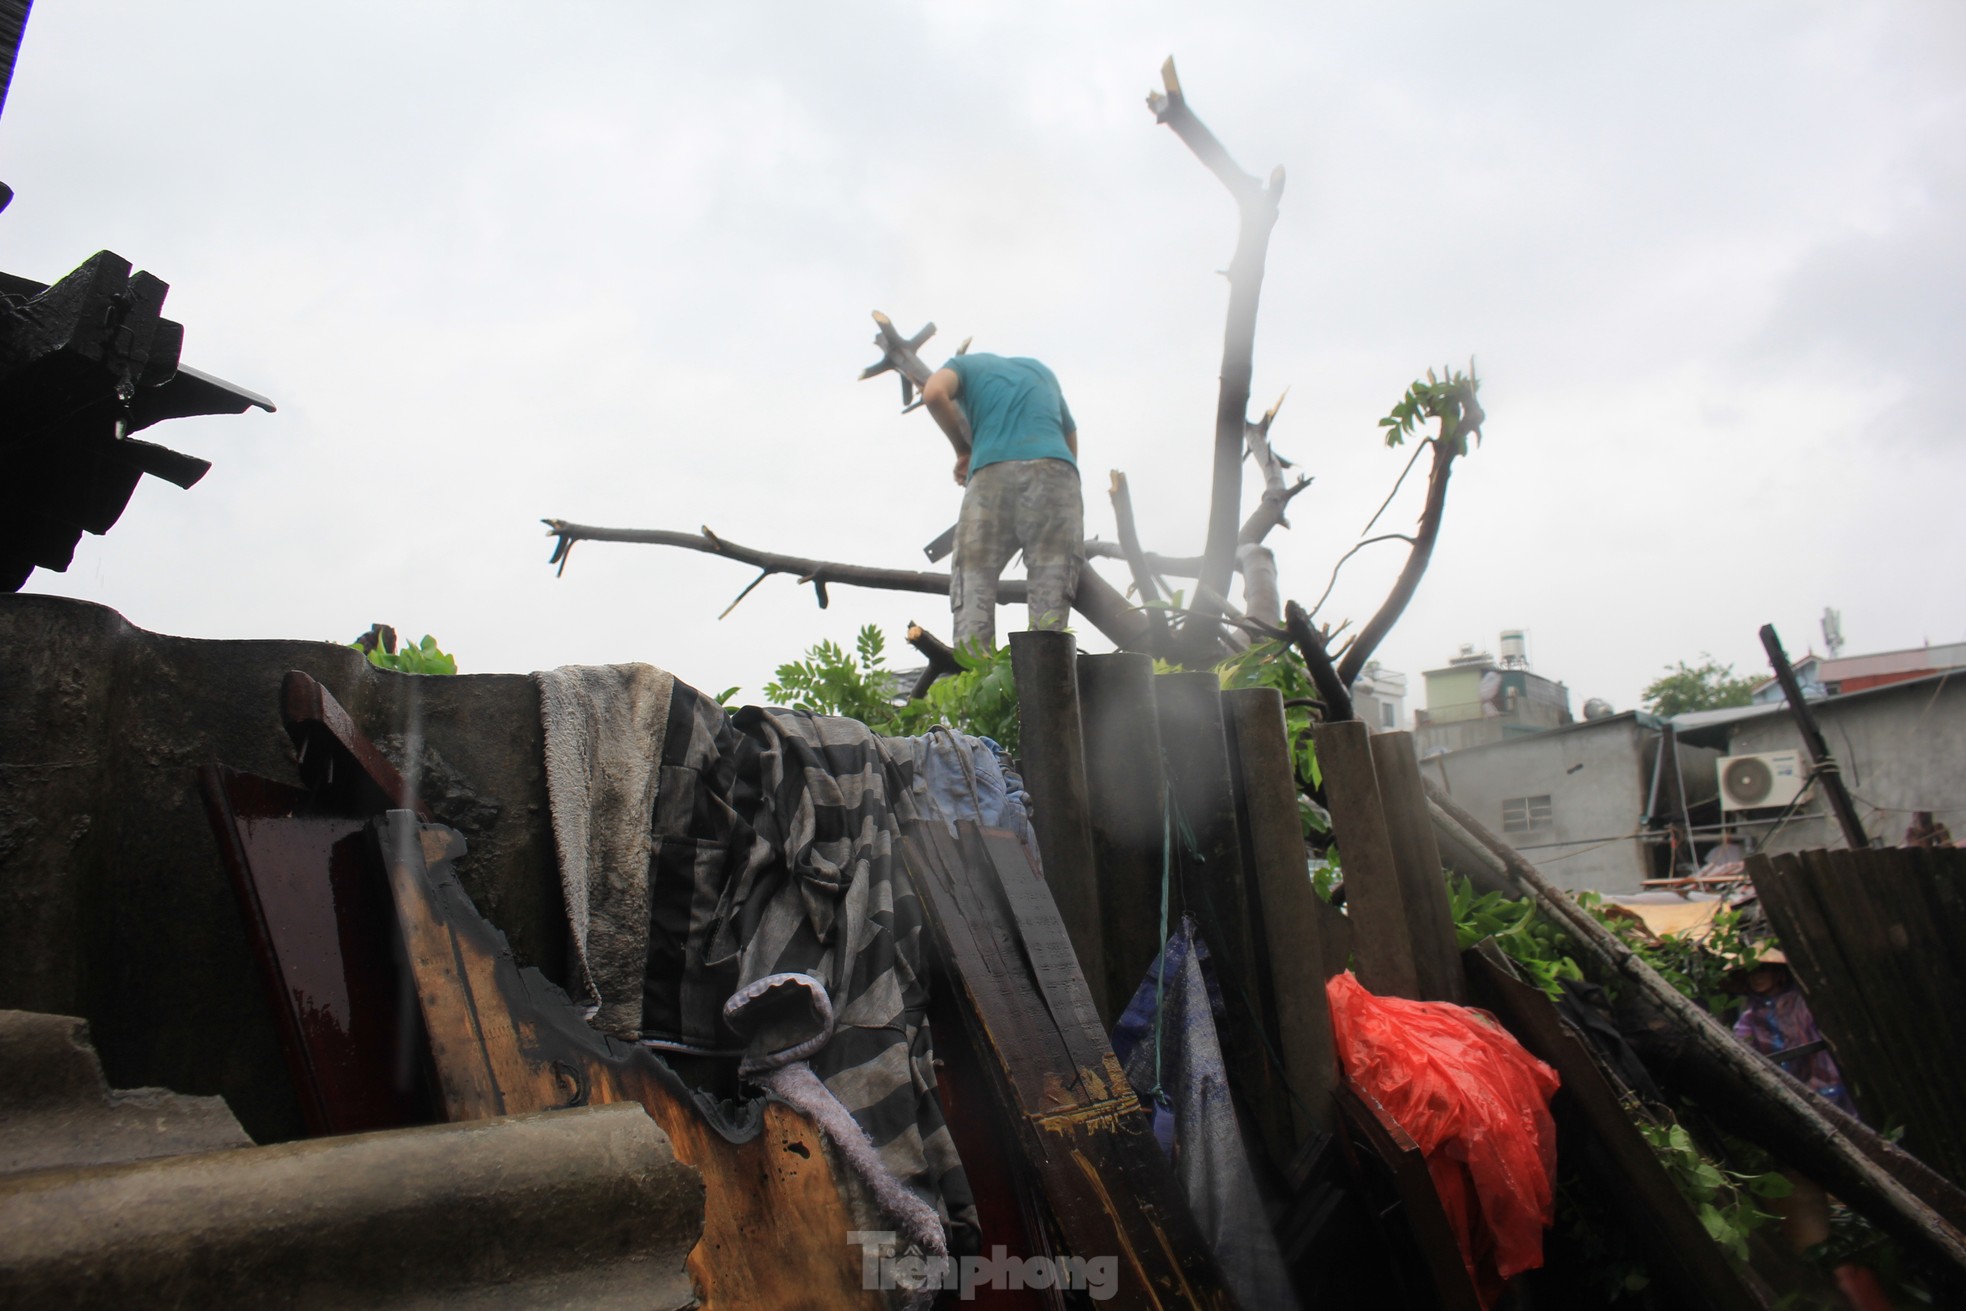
(1723, 1199)
(424, 657)
(1697, 966)
(830, 681)
(1451, 398)
(1708, 685)
(1537, 947)
(982, 699)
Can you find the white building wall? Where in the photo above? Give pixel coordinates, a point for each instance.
(1596, 776)
(1901, 748)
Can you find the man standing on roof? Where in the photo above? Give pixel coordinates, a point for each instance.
(1017, 459)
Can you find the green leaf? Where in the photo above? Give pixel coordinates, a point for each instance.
(1716, 1224)
(1770, 1185)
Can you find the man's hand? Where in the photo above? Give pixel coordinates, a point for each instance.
(962, 469)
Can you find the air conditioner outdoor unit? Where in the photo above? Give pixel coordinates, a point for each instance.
(1773, 778)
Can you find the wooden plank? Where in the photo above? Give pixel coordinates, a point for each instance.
(1374, 899)
(1335, 928)
(322, 928)
(1938, 909)
(1273, 841)
(1816, 957)
(1122, 774)
(1032, 911)
(1922, 952)
(773, 1193)
(1637, 1188)
(1052, 754)
(1218, 892)
(336, 760)
(1860, 896)
(1866, 896)
(1079, 1127)
(1416, 858)
(466, 1084)
(1369, 1128)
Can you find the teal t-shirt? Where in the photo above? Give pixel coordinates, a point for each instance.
(1015, 408)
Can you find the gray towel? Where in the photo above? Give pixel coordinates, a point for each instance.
(604, 728)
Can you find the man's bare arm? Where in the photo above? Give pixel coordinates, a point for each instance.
(1072, 442)
(939, 396)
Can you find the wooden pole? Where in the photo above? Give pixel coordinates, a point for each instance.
(1812, 738)
(1416, 858)
(1374, 898)
(1123, 789)
(1273, 842)
(1053, 756)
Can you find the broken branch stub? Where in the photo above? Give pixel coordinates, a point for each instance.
(900, 354)
(1333, 690)
(1277, 494)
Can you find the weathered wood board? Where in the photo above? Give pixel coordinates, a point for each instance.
(505, 1040)
(1292, 918)
(1081, 1129)
(1873, 938)
(1375, 901)
(1385, 1156)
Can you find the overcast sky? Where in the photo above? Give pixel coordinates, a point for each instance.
(613, 262)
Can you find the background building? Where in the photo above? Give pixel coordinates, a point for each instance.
(1901, 747)
(1595, 805)
(1833, 675)
(1379, 698)
(1477, 699)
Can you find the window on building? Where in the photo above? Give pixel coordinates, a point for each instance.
(1388, 717)
(1526, 815)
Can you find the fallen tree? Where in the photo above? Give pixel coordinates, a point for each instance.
(1211, 625)
(1688, 1048)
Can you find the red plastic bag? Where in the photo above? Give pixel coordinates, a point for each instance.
(1478, 1106)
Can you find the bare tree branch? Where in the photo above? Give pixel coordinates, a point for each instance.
(1258, 207)
(740, 596)
(1208, 636)
(1334, 691)
(1268, 513)
(1136, 559)
(1256, 438)
(1325, 595)
(1460, 419)
(1397, 483)
(1260, 592)
(1103, 607)
(1178, 566)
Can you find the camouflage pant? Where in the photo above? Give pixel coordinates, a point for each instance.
(1033, 504)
